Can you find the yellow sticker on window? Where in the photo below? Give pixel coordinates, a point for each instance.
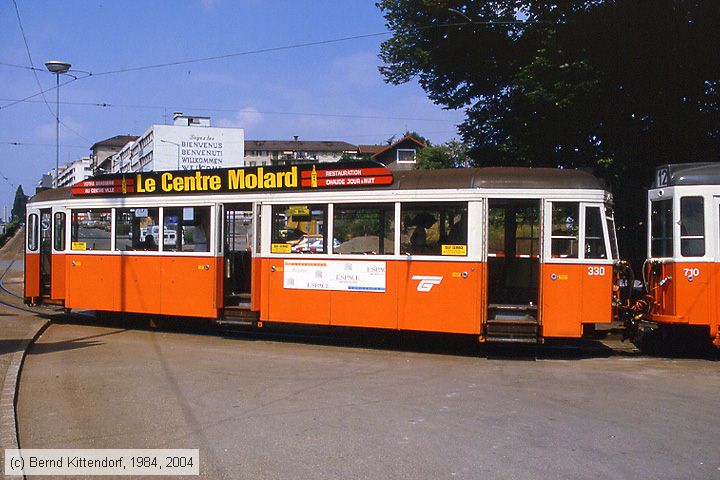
(299, 210)
(281, 248)
(459, 250)
(79, 245)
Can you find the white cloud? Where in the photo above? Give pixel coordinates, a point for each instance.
(46, 131)
(244, 118)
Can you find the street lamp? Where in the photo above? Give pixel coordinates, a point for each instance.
(58, 68)
(178, 147)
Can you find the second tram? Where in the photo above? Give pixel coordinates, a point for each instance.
(682, 272)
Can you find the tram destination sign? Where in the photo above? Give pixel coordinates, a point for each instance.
(235, 180)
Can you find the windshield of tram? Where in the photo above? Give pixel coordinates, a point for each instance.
(661, 231)
(610, 219)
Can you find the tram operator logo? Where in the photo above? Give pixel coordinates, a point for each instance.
(426, 282)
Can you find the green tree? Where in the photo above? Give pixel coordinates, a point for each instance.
(452, 154)
(418, 137)
(18, 209)
(619, 86)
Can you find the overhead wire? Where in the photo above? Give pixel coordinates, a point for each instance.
(37, 80)
(5, 64)
(245, 110)
(268, 50)
(309, 44)
(32, 65)
(31, 144)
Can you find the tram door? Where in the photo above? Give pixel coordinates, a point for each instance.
(513, 269)
(45, 251)
(238, 242)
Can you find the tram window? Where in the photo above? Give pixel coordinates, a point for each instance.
(299, 229)
(594, 238)
(137, 229)
(661, 217)
(565, 227)
(59, 232)
(186, 229)
(610, 219)
(33, 232)
(692, 227)
(520, 222)
(90, 229)
(434, 229)
(364, 229)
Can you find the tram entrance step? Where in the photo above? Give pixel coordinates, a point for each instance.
(241, 300)
(239, 315)
(512, 323)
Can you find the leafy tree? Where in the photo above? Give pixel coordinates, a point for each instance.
(348, 157)
(18, 209)
(418, 137)
(452, 154)
(619, 86)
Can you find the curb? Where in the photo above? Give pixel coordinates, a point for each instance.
(8, 394)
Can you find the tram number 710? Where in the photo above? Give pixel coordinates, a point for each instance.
(596, 271)
(692, 272)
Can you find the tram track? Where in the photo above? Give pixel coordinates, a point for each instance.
(8, 298)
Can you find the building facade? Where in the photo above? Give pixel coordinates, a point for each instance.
(103, 151)
(190, 143)
(282, 152)
(401, 155)
(72, 172)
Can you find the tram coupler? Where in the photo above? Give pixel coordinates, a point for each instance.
(636, 331)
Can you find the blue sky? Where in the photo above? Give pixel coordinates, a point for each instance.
(272, 95)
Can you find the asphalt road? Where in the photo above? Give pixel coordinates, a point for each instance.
(285, 407)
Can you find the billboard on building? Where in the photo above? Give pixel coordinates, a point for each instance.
(195, 148)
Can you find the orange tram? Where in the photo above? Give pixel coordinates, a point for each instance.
(505, 254)
(682, 272)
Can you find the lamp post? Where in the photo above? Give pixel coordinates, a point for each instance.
(58, 68)
(178, 148)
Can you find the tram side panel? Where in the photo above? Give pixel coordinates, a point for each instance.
(280, 304)
(32, 275)
(292, 298)
(256, 283)
(188, 286)
(170, 285)
(684, 293)
(92, 281)
(58, 275)
(140, 285)
(370, 309)
(422, 296)
(573, 295)
(441, 296)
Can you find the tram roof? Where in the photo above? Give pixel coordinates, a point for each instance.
(453, 178)
(496, 178)
(690, 174)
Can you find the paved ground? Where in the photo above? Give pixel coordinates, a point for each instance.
(276, 407)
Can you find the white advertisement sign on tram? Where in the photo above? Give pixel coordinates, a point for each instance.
(344, 276)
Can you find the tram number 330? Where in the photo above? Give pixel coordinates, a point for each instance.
(596, 271)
